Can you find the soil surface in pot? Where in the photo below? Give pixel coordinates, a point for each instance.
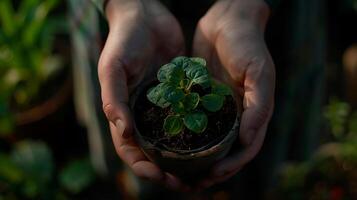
(150, 118)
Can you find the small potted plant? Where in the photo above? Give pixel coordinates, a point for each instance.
(185, 120)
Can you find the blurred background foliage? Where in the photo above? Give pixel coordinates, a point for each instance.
(44, 150)
(33, 68)
(331, 173)
(27, 57)
(29, 171)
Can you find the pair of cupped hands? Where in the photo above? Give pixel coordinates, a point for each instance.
(230, 36)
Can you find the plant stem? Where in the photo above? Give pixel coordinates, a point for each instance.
(189, 86)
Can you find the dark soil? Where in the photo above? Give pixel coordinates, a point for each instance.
(150, 118)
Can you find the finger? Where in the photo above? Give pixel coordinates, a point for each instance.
(171, 40)
(258, 100)
(212, 180)
(114, 78)
(202, 46)
(174, 183)
(131, 155)
(238, 160)
(115, 98)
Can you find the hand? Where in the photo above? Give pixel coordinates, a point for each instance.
(142, 34)
(231, 37)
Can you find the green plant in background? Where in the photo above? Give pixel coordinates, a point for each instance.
(175, 90)
(29, 172)
(26, 53)
(337, 112)
(332, 172)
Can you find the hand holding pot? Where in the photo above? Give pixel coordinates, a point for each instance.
(142, 34)
(231, 37)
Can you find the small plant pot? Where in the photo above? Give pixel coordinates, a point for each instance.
(188, 165)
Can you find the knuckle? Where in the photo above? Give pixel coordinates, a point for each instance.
(110, 67)
(109, 111)
(237, 68)
(205, 25)
(203, 22)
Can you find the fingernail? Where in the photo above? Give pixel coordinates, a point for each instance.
(119, 124)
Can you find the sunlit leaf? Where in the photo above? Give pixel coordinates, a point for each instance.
(199, 61)
(173, 95)
(198, 75)
(156, 95)
(181, 61)
(173, 125)
(191, 101)
(196, 122)
(170, 73)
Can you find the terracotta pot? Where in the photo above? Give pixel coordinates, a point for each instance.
(189, 165)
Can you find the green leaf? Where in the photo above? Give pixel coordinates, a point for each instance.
(181, 61)
(178, 108)
(38, 23)
(77, 176)
(173, 95)
(352, 125)
(191, 101)
(221, 89)
(199, 75)
(196, 122)
(199, 61)
(173, 125)
(170, 73)
(7, 16)
(9, 171)
(6, 125)
(156, 95)
(35, 159)
(337, 113)
(212, 102)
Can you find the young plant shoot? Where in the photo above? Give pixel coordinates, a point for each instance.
(188, 108)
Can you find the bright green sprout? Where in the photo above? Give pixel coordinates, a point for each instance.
(175, 90)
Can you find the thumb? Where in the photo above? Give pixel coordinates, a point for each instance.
(114, 89)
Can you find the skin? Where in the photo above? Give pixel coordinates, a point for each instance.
(138, 39)
(230, 37)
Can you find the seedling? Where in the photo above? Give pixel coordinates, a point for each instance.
(188, 108)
